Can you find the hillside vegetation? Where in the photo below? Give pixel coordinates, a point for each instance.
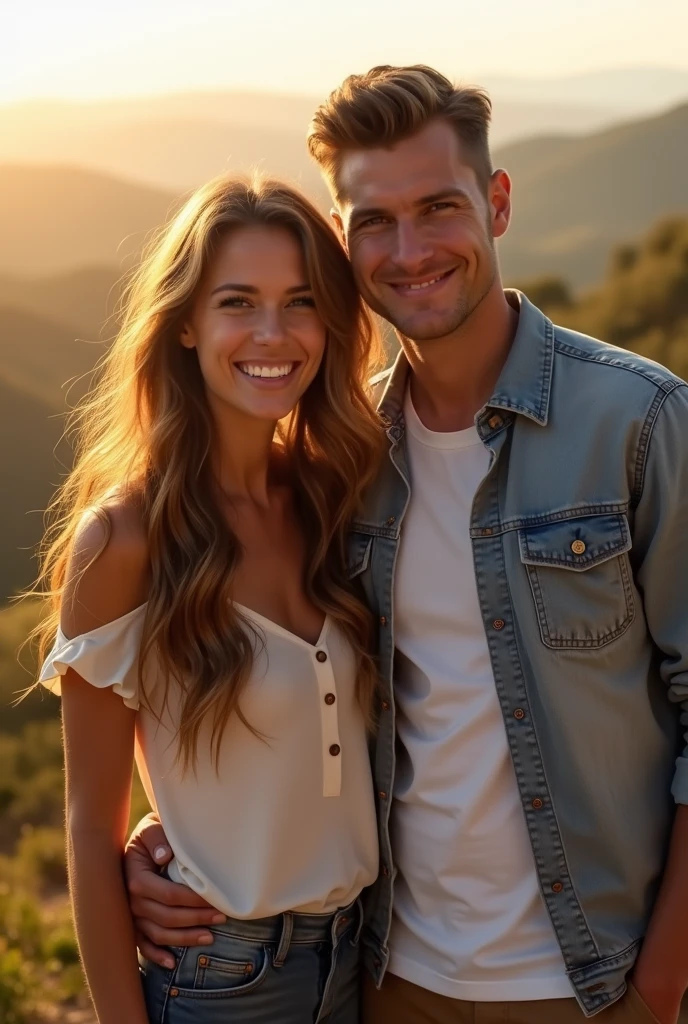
(642, 302)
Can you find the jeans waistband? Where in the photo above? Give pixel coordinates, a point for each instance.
(293, 927)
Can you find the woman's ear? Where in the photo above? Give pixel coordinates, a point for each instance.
(187, 337)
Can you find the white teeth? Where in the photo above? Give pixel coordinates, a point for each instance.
(252, 370)
(425, 284)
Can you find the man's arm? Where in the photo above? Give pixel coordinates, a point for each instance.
(661, 545)
(661, 973)
(164, 913)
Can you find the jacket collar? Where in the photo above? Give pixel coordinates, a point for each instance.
(525, 383)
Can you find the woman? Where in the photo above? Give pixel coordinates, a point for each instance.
(202, 609)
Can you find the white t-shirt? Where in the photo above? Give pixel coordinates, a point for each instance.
(469, 921)
(288, 820)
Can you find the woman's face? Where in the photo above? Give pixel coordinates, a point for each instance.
(254, 324)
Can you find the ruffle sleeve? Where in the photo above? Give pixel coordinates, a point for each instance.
(106, 656)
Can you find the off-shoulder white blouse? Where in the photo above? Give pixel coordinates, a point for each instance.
(288, 820)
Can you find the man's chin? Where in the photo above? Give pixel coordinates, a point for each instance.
(426, 328)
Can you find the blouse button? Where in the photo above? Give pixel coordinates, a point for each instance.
(321, 656)
(335, 749)
(330, 698)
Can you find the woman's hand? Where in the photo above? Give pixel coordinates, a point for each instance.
(165, 914)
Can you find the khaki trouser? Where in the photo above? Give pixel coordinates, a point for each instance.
(400, 1002)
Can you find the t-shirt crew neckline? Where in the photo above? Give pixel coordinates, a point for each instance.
(447, 441)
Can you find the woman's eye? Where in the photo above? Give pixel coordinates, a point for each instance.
(233, 302)
(304, 301)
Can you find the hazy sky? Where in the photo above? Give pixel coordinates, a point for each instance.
(89, 49)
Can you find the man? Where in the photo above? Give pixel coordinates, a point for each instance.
(525, 551)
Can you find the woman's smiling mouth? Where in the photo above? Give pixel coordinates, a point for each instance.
(271, 374)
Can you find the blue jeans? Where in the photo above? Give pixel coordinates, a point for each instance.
(291, 968)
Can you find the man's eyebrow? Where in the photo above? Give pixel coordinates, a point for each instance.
(249, 289)
(445, 193)
(379, 211)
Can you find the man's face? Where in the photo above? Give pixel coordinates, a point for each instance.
(420, 230)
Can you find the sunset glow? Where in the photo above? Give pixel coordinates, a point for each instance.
(83, 50)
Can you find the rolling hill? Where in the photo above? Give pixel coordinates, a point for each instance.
(574, 199)
(49, 362)
(29, 470)
(80, 300)
(54, 219)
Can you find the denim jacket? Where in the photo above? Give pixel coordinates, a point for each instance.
(580, 544)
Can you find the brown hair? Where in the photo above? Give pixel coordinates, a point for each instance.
(388, 104)
(150, 395)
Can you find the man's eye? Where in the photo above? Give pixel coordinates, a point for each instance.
(442, 206)
(372, 221)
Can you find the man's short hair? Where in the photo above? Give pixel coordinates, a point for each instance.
(388, 104)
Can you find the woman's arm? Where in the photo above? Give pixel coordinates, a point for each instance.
(107, 578)
(99, 748)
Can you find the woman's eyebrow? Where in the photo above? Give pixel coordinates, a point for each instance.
(249, 289)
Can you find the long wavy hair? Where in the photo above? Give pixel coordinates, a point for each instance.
(146, 428)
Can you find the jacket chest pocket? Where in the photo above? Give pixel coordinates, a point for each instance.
(580, 579)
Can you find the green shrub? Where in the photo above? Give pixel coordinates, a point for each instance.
(41, 858)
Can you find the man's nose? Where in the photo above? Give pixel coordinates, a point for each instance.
(412, 248)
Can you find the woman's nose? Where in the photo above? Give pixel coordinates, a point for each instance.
(269, 329)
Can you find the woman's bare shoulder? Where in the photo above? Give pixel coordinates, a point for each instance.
(109, 569)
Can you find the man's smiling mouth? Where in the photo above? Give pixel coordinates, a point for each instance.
(422, 286)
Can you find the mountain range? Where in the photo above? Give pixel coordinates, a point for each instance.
(177, 141)
(574, 198)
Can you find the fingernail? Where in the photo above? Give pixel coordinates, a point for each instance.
(161, 852)
(205, 939)
(169, 963)
(219, 919)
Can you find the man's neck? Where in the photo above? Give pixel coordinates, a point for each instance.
(453, 377)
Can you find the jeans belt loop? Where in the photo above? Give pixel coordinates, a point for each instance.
(285, 939)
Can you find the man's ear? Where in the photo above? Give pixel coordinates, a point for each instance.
(339, 227)
(500, 202)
